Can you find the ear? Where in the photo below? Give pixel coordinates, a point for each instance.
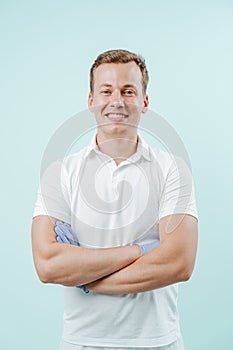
(145, 104)
(90, 102)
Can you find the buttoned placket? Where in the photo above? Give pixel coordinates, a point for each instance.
(114, 169)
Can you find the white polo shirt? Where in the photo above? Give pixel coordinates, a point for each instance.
(108, 206)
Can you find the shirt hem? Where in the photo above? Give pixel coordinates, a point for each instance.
(53, 214)
(116, 343)
(190, 212)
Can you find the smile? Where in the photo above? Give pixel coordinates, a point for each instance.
(116, 116)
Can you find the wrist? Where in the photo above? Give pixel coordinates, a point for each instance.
(138, 250)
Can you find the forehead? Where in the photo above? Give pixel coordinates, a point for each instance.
(118, 73)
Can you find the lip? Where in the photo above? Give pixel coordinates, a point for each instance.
(118, 120)
(120, 113)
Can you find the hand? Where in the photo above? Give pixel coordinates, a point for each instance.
(65, 234)
(146, 248)
(84, 289)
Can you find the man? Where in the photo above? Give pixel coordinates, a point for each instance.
(116, 198)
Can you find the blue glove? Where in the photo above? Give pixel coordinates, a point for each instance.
(146, 248)
(83, 287)
(65, 234)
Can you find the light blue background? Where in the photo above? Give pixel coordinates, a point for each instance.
(47, 48)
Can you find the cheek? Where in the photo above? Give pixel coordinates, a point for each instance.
(97, 104)
(100, 106)
(134, 106)
(100, 101)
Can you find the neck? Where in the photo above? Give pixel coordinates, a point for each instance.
(117, 148)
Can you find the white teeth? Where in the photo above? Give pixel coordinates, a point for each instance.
(116, 116)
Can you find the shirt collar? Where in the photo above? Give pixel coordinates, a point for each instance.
(143, 148)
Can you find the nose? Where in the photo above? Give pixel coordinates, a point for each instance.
(117, 99)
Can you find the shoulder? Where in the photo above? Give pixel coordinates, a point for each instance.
(65, 166)
(73, 161)
(163, 158)
(169, 162)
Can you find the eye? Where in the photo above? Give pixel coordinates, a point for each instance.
(129, 92)
(105, 92)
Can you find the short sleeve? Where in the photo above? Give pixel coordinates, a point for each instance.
(178, 194)
(53, 196)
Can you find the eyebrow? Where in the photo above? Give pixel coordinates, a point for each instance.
(124, 86)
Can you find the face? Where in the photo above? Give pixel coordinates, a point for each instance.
(117, 99)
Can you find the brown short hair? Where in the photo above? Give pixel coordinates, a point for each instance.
(120, 56)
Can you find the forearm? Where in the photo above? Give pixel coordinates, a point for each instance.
(171, 262)
(152, 271)
(72, 265)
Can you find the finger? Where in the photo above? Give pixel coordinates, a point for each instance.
(59, 222)
(64, 230)
(72, 241)
(69, 229)
(59, 239)
(60, 232)
(70, 236)
(66, 240)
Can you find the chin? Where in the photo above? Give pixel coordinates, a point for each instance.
(115, 129)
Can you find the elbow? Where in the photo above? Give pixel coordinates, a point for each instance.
(186, 267)
(44, 277)
(44, 272)
(186, 275)
(48, 272)
(186, 271)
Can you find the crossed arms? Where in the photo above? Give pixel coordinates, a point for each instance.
(117, 270)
